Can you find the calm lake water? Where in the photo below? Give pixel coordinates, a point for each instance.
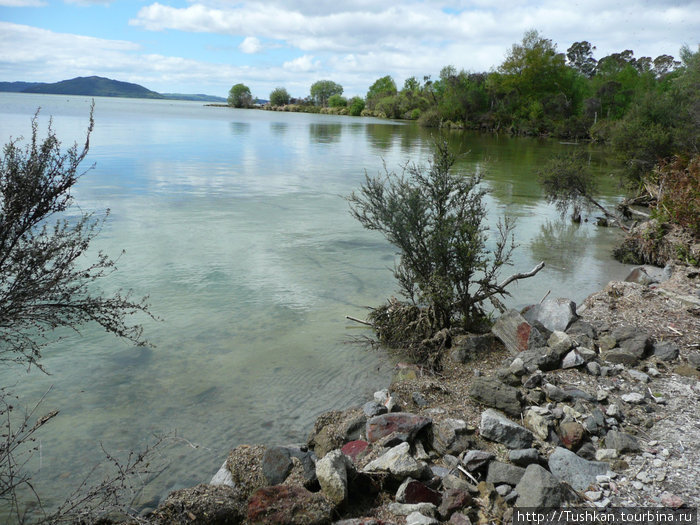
(234, 221)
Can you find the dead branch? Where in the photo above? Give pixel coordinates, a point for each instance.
(359, 321)
(518, 276)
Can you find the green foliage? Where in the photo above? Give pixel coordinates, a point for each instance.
(356, 105)
(239, 96)
(279, 97)
(434, 215)
(337, 101)
(322, 90)
(381, 89)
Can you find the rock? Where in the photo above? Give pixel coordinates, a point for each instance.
(524, 456)
(560, 343)
(504, 473)
(572, 360)
(516, 333)
(554, 314)
(533, 380)
(372, 408)
(453, 500)
(288, 504)
(404, 509)
(555, 393)
(332, 473)
(492, 393)
(624, 357)
(671, 500)
(399, 462)
(245, 465)
(613, 410)
(412, 491)
(578, 472)
(593, 368)
(276, 465)
(582, 328)
(517, 367)
(694, 359)
(475, 459)
(451, 436)
(633, 398)
(540, 358)
(469, 346)
(639, 345)
(587, 451)
(223, 477)
(638, 376)
(355, 449)
(639, 275)
(607, 342)
(587, 354)
(497, 427)
(406, 425)
(606, 454)
(593, 495)
(538, 420)
(335, 428)
(218, 505)
(621, 441)
(666, 350)
(571, 434)
(385, 399)
(419, 400)
(416, 518)
(359, 521)
(460, 519)
(687, 370)
(538, 488)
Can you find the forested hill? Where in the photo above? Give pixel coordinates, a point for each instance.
(97, 87)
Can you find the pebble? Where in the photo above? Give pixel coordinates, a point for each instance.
(658, 463)
(638, 485)
(653, 443)
(602, 504)
(602, 478)
(633, 398)
(653, 372)
(643, 477)
(594, 495)
(665, 452)
(660, 476)
(613, 410)
(639, 376)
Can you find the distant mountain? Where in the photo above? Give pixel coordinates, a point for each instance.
(197, 97)
(99, 87)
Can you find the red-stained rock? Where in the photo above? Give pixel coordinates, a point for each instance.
(355, 449)
(404, 424)
(288, 505)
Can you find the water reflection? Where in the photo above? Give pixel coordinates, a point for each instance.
(279, 128)
(561, 245)
(240, 128)
(325, 133)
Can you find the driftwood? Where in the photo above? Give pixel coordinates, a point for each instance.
(358, 320)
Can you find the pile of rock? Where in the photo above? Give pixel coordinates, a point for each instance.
(572, 392)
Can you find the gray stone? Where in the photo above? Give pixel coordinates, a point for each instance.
(493, 393)
(538, 420)
(572, 360)
(540, 358)
(538, 489)
(416, 518)
(451, 436)
(399, 462)
(587, 354)
(666, 350)
(554, 314)
(516, 333)
(606, 454)
(504, 473)
(404, 509)
(621, 442)
(593, 368)
(419, 400)
(575, 470)
(587, 451)
(640, 345)
(470, 346)
(639, 376)
(560, 343)
(633, 398)
(694, 359)
(620, 356)
(475, 459)
(579, 328)
(223, 477)
(372, 408)
(332, 473)
(276, 465)
(497, 427)
(555, 393)
(607, 342)
(459, 519)
(524, 456)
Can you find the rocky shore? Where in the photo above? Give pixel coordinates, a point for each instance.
(595, 405)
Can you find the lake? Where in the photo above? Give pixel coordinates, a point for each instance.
(234, 222)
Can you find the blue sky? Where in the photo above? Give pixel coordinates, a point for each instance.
(206, 46)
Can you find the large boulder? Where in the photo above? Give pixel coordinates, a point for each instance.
(554, 314)
(576, 471)
(288, 504)
(403, 424)
(493, 393)
(497, 427)
(538, 488)
(516, 333)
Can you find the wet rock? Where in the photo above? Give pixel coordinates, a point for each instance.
(497, 427)
(412, 491)
(355, 449)
(404, 424)
(218, 505)
(399, 462)
(288, 504)
(578, 472)
(524, 456)
(621, 441)
(332, 473)
(554, 314)
(666, 350)
(571, 434)
(538, 488)
(475, 459)
(572, 360)
(504, 473)
(451, 436)
(516, 333)
(471, 345)
(493, 393)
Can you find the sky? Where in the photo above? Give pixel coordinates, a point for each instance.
(206, 46)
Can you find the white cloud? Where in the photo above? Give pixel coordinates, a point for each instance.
(304, 63)
(22, 3)
(251, 45)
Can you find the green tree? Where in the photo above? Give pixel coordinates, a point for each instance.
(279, 97)
(435, 216)
(580, 57)
(337, 101)
(239, 96)
(322, 90)
(381, 89)
(356, 105)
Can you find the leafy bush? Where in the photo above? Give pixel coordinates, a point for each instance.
(356, 105)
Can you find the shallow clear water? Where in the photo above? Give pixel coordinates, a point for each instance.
(234, 221)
